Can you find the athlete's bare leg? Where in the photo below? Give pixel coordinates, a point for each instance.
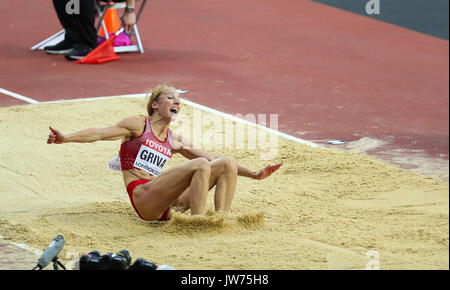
(224, 177)
(224, 174)
(153, 198)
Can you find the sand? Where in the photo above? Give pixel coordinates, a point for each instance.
(324, 209)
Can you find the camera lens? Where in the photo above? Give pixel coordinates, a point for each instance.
(91, 261)
(142, 264)
(95, 253)
(126, 255)
(118, 261)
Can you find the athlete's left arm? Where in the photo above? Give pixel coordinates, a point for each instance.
(185, 147)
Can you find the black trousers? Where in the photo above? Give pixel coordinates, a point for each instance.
(78, 23)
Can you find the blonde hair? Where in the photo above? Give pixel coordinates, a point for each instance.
(153, 95)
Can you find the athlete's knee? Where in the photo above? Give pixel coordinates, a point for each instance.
(229, 164)
(202, 164)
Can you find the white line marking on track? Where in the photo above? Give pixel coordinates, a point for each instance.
(27, 248)
(17, 96)
(231, 117)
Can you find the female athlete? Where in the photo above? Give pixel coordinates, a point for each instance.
(147, 146)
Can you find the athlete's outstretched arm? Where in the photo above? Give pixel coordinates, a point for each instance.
(125, 128)
(184, 147)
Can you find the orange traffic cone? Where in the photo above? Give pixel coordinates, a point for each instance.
(111, 20)
(102, 53)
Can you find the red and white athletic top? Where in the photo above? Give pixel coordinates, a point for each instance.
(146, 152)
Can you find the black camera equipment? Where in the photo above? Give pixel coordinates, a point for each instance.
(95, 261)
(142, 264)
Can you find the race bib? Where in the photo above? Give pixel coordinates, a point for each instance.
(152, 157)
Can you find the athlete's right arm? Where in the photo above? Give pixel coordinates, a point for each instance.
(127, 127)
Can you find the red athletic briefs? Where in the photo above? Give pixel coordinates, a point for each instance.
(130, 188)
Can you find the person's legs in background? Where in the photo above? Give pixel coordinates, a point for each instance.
(81, 35)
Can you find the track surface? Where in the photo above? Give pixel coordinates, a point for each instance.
(327, 73)
(430, 17)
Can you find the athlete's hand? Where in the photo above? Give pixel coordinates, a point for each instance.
(55, 137)
(267, 171)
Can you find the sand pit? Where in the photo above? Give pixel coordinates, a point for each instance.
(324, 209)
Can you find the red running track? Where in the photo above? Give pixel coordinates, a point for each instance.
(328, 73)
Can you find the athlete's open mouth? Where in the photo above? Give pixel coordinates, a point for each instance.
(174, 110)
